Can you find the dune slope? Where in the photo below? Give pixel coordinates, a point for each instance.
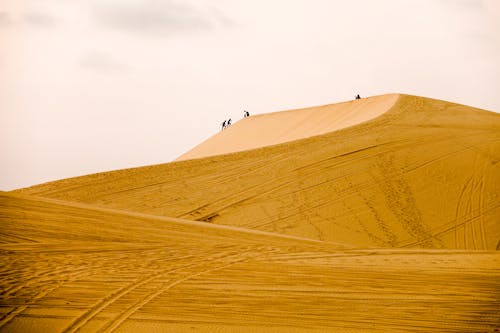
(279, 127)
(423, 174)
(75, 268)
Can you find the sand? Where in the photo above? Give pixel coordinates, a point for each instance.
(377, 215)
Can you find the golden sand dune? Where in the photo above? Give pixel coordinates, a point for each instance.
(279, 127)
(424, 173)
(70, 267)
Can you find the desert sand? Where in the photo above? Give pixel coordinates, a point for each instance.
(375, 215)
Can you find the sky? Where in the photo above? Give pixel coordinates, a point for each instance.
(96, 85)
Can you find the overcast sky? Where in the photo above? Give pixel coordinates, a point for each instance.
(96, 85)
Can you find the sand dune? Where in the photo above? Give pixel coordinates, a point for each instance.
(423, 174)
(71, 268)
(379, 215)
(279, 127)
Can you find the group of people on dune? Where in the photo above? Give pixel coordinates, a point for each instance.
(227, 123)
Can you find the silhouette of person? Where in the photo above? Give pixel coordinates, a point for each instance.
(358, 97)
(223, 125)
(229, 122)
(246, 114)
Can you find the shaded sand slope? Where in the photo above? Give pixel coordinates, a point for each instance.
(279, 127)
(82, 222)
(423, 174)
(73, 268)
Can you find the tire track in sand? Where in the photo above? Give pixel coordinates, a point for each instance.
(97, 308)
(122, 317)
(81, 320)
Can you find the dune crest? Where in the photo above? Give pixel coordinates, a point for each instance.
(284, 126)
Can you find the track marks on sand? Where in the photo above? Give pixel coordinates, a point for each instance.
(188, 262)
(400, 200)
(19, 309)
(44, 287)
(114, 323)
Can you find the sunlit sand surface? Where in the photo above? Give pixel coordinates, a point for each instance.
(279, 127)
(377, 215)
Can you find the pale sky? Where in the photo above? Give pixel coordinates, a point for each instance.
(96, 85)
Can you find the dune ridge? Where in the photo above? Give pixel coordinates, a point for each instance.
(279, 127)
(152, 221)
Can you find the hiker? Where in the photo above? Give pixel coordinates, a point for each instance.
(229, 122)
(223, 125)
(246, 114)
(358, 97)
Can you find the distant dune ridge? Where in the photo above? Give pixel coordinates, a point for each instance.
(380, 214)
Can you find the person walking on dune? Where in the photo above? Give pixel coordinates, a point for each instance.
(358, 97)
(223, 125)
(246, 114)
(229, 122)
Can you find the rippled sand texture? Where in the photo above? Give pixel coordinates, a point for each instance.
(378, 215)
